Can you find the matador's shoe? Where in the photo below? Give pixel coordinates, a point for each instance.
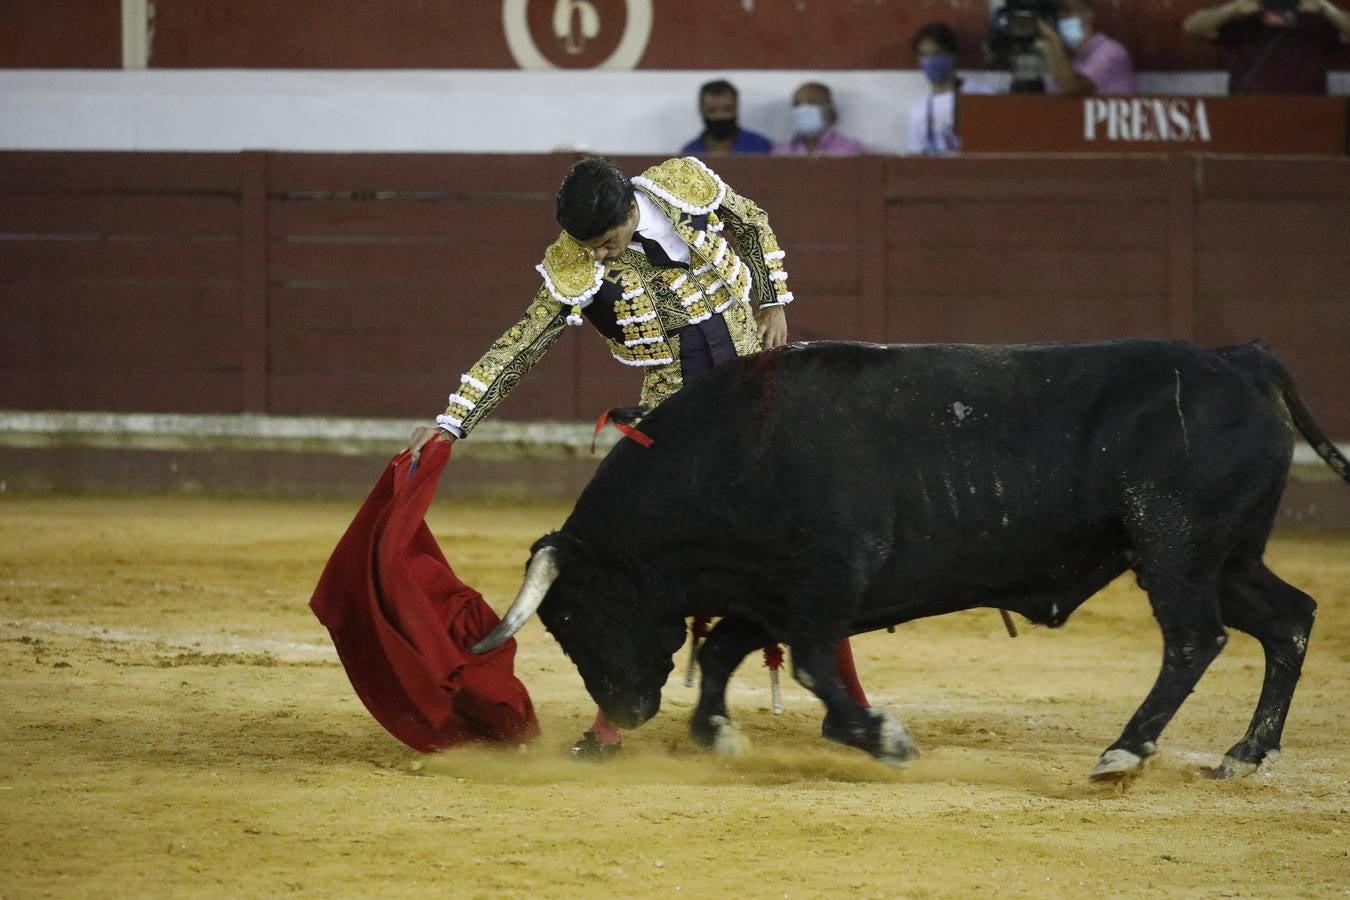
(589, 748)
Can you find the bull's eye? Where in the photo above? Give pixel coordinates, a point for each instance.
(564, 619)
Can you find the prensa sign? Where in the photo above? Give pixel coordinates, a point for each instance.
(1172, 119)
(1025, 123)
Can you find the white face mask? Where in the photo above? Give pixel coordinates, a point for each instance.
(808, 119)
(1071, 31)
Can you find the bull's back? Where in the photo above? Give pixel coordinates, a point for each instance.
(962, 453)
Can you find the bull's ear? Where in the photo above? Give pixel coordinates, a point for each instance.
(539, 577)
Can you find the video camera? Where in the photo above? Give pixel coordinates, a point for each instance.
(1011, 42)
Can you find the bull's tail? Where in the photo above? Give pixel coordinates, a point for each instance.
(1258, 354)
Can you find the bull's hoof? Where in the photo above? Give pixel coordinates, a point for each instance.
(879, 733)
(728, 740)
(894, 745)
(1115, 765)
(590, 749)
(1233, 767)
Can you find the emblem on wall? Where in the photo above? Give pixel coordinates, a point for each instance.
(577, 34)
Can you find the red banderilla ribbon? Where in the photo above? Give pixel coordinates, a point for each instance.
(626, 430)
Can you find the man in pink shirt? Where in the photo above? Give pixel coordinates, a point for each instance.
(1099, 65)
(813, 131)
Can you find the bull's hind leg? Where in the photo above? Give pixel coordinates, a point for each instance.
(730, 642)
(1187, 609)
(814, 665)
(1255, 600)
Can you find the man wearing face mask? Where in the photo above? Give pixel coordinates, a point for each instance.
(813, 121)
(932, 121)
(1274, 51)
(718, 103)
(1098, 65)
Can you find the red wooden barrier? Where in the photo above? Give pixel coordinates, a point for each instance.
(364, 284)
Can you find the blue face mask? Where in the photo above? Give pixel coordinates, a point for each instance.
(1071, 32)
(938, 67)
(808, 120)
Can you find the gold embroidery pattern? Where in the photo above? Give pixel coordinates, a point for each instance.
(654, 303)
(685, 183)
(513, 354)
(570, 275)
(759, 248)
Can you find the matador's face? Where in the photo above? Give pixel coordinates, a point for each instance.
(607, 247)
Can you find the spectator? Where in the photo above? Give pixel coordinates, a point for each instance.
(813, 121)
(932, 121)
(717, 103)
(1274, 51)
(1099, 65)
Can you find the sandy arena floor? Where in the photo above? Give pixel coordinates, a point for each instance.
(176, 723)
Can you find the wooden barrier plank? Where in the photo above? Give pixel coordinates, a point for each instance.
(827, 316)
(547, 392)
(373, 351)
(113, 345)
(468, 219)
(104, 215)
(1309, 333)
(1273, 225)
(824, 268)
(536, 176)
(501, 271)
(799, 220)
(338, 307)
(923, 317)
(1089, 276)
(1275, 277)
(211, 308)
(999, 223)
(140, 172)
(1180, 231)
(152, 260)
(1008, 176)
(185, 392)
(61, 34)
(1269, 179)
(769, 180)
(252, 276)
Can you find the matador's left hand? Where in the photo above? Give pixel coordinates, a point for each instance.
(772, 327)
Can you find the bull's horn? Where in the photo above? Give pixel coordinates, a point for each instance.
(539, 577)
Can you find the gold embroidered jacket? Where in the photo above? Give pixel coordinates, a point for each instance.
(637, 307)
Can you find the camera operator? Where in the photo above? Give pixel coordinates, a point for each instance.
(1274, 46)
(1099, 65)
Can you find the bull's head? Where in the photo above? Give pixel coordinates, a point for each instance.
(621, 643)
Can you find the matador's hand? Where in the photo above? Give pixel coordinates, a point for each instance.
(424, 434)
(772, 323)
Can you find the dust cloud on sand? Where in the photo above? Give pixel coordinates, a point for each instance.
(176, 723)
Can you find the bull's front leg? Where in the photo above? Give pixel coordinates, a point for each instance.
(730, 642)
(847, 721)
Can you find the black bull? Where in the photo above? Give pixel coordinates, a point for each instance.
(825, 490)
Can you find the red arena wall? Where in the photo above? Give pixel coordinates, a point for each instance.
(364, 284)
(648, 34)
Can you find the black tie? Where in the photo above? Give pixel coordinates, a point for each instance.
(656, 253)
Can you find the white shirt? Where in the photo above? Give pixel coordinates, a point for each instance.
(654, 225)
(941, 108)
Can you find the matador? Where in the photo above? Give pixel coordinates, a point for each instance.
(678, 273)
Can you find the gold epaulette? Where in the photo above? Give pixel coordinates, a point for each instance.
(686, 184)
(571, 275)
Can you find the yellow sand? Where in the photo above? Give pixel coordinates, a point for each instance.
(173, 722)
